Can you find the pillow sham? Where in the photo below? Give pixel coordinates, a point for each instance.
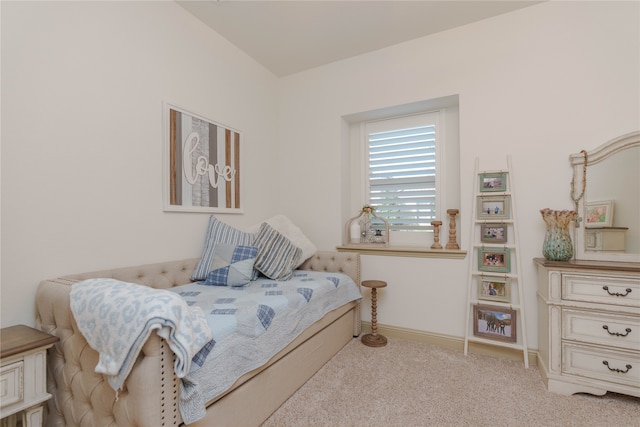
(218, 232)
(231, 265)
(277, 256)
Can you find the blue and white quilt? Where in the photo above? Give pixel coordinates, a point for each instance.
(252, 323)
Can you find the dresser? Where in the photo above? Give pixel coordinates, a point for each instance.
(589, 326)
(23, 375)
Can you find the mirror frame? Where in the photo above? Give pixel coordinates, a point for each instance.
(596, 156)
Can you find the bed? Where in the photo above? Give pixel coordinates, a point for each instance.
(151, 394)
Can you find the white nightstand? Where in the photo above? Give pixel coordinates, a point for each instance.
(23, 375)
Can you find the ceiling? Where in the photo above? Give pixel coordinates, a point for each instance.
(291, 36)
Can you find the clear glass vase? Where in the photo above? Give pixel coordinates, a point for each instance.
(557, 240)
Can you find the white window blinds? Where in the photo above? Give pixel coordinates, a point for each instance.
(402, 170)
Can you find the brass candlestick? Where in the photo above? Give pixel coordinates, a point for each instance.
(436, 234)
(452, 229)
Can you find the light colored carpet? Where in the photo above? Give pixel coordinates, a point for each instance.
(410, 383)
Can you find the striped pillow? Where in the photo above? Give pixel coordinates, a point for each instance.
(277, 256)
(218, 232)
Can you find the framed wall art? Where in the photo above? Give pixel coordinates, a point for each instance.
(494, 288)
(202, 164)
(494, 207)
(493, 232)
(493, 182)
(494, 323)
(599, 214)
(494, 259)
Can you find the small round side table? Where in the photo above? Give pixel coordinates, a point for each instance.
(374, 339)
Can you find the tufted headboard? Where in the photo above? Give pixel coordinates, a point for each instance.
(161, 275)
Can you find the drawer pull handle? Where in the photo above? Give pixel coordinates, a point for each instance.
(604, 362)
(617, 334)
(617, 294)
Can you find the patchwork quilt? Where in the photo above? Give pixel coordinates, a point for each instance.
(252, 323)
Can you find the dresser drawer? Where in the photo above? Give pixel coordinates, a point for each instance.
(620, 367)
(11, 379)
(601, 289)
(601, 328)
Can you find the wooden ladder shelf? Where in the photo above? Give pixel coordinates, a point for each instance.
(495, 306)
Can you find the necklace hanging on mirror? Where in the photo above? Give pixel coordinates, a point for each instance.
(576, 199)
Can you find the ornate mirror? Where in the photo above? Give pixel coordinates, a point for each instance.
(609, 207)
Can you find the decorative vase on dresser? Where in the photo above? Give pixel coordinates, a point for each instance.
(557, 244)
(589, 326)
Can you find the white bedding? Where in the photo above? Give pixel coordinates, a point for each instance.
(252, 323)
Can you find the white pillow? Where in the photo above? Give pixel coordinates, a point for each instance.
(292, 232)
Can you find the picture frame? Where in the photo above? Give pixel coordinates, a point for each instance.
(494, 207)
(495, 323)
(494, 288)
(494, 259)
(493, 182)
(202, 164)
(493, 232)
(599, 214)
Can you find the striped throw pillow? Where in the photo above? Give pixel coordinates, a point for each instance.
(277, 256)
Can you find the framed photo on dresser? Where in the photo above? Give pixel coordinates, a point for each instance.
(599, 214)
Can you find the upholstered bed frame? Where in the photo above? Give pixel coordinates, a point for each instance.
(150, 395)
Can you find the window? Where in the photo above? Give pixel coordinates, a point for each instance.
(401, 170)
(405, 161)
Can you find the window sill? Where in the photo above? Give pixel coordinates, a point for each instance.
(404, 251)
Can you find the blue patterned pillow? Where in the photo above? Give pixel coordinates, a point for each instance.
(231, 265)
(218, 232)
(277, 256)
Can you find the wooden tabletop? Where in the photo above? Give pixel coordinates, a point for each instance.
(374, 283)
(20, 338)
(633, 267)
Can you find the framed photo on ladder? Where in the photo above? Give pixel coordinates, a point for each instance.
(493, 182)
(494, 288)
(494, 259)
(494, 207)
(495, 323)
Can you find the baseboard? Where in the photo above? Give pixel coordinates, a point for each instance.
(448, 341)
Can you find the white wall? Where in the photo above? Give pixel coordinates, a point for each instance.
(537, 84)
(83, 83)
(82, 90)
